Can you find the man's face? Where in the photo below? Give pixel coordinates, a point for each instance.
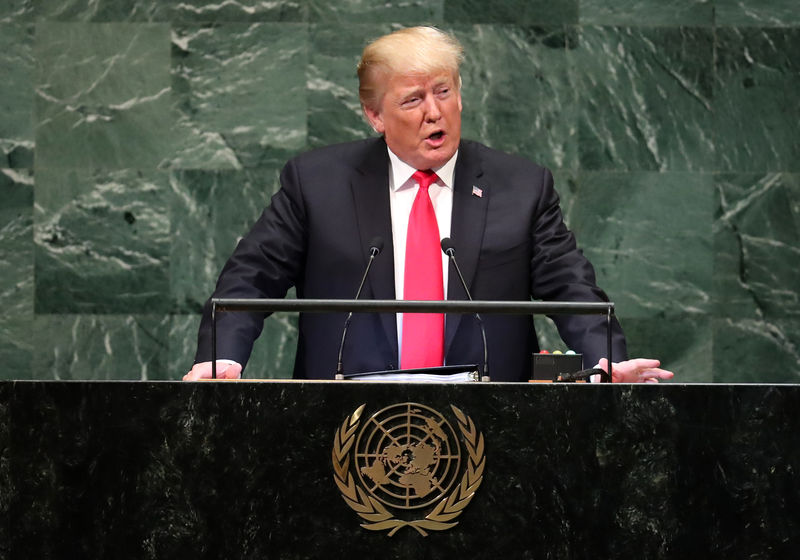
(420, 117)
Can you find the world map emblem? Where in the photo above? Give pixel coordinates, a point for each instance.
(408, 466)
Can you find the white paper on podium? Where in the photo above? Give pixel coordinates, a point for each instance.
(417, 377)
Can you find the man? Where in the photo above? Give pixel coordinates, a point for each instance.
(501, 212)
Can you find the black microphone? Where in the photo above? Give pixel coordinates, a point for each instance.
(375, 248)
(450, 250)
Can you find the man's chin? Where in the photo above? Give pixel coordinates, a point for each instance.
(426, 157)
(437, 157)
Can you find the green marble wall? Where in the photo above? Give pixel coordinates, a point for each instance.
(138, 140)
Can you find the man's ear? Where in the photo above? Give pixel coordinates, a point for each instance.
(374, 118)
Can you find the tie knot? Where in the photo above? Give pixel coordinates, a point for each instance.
(424, 178)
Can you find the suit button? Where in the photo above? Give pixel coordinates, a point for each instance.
(390, 366)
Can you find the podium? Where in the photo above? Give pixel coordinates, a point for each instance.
(246, 470)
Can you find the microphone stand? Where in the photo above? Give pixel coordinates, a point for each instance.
(376, 245)
(450, 251)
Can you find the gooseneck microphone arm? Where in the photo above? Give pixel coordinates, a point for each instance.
(450, 250)
(375, 248)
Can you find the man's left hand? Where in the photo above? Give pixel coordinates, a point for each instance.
(639, 370)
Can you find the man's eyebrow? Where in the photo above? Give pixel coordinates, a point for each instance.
(411, 91)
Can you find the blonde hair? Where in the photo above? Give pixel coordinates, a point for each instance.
(414, 50)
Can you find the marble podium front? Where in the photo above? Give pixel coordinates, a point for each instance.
(243, 470)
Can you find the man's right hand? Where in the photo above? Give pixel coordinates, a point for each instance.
(225, 370)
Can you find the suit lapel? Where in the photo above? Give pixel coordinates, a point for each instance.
(370, 186)
(467, 227)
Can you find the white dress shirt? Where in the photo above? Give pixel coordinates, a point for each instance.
(402, 192)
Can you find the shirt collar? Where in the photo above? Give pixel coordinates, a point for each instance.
(401, 172)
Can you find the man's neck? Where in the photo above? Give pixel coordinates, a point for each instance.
(402, 171)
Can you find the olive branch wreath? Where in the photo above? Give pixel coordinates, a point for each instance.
(377, 517)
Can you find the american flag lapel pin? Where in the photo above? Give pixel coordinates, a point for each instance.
(477, 191)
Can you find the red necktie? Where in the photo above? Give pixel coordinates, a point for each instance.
(423, 333)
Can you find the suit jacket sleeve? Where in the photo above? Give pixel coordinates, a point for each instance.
(265, 264)
(560, 272)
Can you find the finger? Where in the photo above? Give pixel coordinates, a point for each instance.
(195, 375)
(656, 378)
(200, 371)
(230, 371)
(659, 373)
(643, 363)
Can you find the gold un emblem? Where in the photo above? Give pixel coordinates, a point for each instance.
(407, 460)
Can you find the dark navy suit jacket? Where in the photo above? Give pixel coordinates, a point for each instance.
(511, 244)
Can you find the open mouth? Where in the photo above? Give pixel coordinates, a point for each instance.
(436, 136)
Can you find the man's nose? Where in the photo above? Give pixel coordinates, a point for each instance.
(432, 111)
